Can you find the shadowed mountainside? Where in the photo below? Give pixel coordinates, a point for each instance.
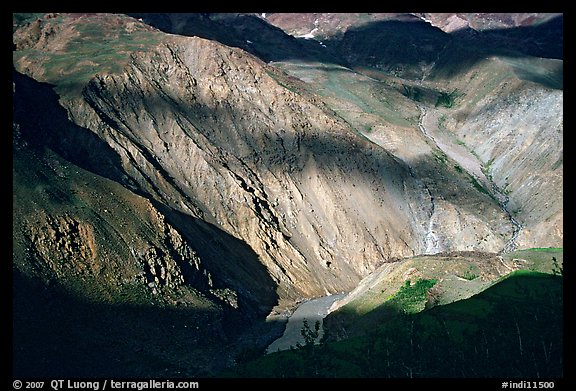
(214, 133)
(100, 272)
(402, 44)
(245, 31)
(512, 330)
(163, 176)
(49, 126)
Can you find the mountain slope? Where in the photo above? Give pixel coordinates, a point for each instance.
(512, 122)
(165, 175)
(512, 330)
(113, 271)
(501, 50)
(456, 275)
(212, 132)
(489, 106)
(99, 270)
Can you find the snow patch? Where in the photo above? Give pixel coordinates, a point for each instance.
(310, 35)
(425, 19)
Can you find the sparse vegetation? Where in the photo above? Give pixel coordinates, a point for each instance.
(487, 169)
(440, 156)
(442, 122)
(545, 249)
(95, 49)
(468, 275)
(479, 187)
(513, 329)
(539, 259)
(558, 163)
(310, 335)
(282, 79)
(412, 92)
(447, 99)
(411, 298)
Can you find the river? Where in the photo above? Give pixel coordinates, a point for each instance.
(312, 310)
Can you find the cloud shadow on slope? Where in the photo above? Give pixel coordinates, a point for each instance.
(398, 340)
(56, 334)
(412, 42)
(44, 123)
(258, 145)
(392, 46)
(248, 32)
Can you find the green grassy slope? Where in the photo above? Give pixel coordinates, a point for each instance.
(512, 329)
(458, 276)
(88, 44)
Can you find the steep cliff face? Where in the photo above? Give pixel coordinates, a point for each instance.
(158, 170)
(225, 141)
(510, 117)
(213, 133)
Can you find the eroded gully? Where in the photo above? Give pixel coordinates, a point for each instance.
(474, 167)
(317, 309)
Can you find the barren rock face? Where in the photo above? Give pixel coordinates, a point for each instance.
(211, 133)
(228, 143)
(199, 188)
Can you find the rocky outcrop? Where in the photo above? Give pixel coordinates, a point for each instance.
(213, 132)
(250, 166)
(511, 119)
(97, 238)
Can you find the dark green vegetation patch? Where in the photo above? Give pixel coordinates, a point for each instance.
(513, 330)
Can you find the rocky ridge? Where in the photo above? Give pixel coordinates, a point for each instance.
(213, 132)
(234, 186)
